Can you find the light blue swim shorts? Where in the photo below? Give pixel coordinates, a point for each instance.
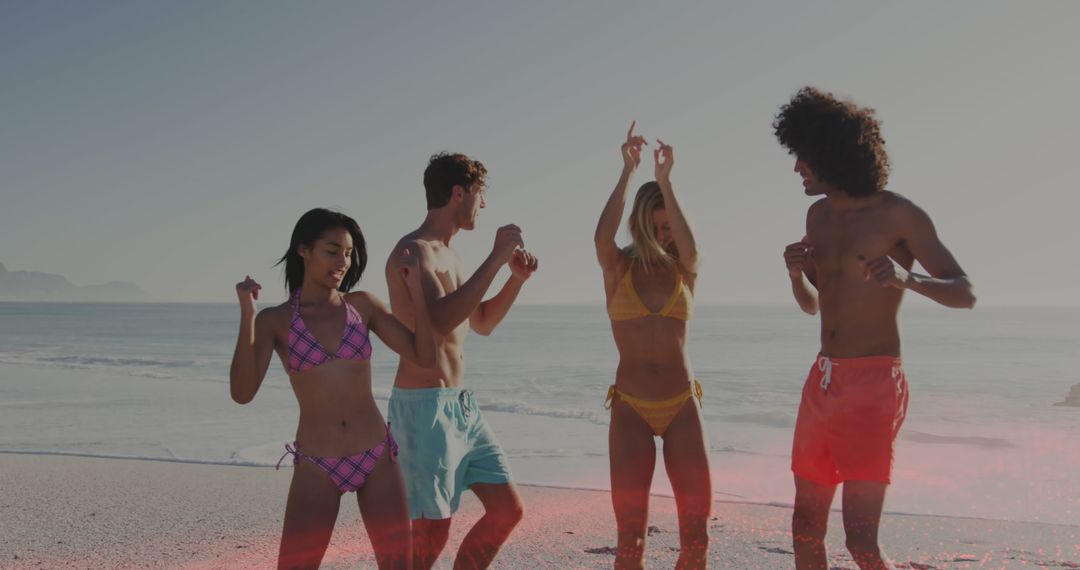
(445, 446)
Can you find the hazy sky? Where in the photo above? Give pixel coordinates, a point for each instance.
(174, 144)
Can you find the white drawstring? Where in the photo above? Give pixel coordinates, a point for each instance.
(466, 400)
(825, 365)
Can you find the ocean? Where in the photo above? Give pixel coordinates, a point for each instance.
(983, 437)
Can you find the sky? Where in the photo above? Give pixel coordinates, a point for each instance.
(175, 144)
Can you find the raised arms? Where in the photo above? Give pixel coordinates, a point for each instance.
(607, 252)
(680, 227)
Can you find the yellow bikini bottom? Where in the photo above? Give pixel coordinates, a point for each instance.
(657, 413)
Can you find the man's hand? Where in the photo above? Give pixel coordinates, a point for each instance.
(523, 264)
(886, 271)
(797, 256)
(507, 240)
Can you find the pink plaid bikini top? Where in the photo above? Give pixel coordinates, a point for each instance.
(306, 353)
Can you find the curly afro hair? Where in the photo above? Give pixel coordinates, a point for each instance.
(446, 170)
(840, 141)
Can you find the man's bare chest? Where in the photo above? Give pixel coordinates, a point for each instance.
(841, 243)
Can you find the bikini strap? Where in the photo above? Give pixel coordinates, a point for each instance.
(352, 316)
(289, 450)
(610, 400)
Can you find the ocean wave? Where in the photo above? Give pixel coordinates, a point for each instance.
(173, 459)
(156, 368)
(151, 374)
(95, 360)
(717, 448)
(547, 454)
(599, 418)
(766, 417)
(972, 440)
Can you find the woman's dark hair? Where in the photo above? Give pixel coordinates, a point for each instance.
(839, 141)
(309, 228)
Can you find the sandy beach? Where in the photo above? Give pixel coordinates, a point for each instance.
(82, 512)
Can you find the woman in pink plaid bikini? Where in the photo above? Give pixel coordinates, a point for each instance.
(322, 337)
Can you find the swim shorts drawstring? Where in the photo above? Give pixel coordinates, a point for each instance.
(825, 364)
(466, 403)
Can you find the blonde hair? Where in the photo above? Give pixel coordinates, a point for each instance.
(645, 246)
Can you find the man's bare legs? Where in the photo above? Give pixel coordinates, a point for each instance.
(503, 510)
(863, 503)
(809, 523)
(428, 540)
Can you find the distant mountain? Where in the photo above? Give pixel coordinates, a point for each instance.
(36, 286)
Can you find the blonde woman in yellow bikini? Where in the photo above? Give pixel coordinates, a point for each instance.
(650, 298)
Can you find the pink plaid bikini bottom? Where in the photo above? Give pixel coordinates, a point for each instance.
(348, 473)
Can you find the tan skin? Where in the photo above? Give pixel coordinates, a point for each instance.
(854, 265)
(456, 304)
(338, 415)
(653, 365)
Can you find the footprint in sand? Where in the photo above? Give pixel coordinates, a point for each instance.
(602, 550)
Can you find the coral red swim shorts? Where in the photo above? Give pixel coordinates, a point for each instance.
(849, 417)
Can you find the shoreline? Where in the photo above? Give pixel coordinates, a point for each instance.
(537, 485)
(96, 512)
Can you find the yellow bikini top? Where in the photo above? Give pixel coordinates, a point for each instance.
(625, 303)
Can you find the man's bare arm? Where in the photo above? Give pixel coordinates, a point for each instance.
(448, 310)
(801, 271)
(491, 312)
(947, 284)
